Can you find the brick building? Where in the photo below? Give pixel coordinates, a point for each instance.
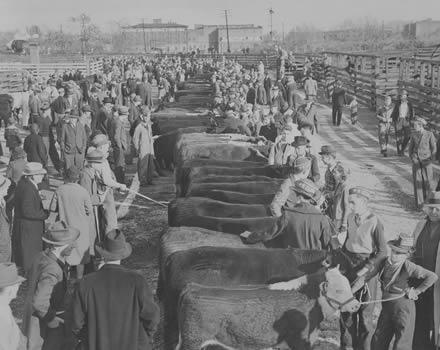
(242, 36)
(168, 37)
(422, 29)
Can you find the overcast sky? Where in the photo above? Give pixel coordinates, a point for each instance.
(17, 14)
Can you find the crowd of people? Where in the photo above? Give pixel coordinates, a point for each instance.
(88, 132)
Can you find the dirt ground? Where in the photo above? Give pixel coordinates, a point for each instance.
(389, 178)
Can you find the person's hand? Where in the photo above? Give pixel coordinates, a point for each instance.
(55, 323)
(412, 294)
(358, 284)
(123, 188)
(362, 271)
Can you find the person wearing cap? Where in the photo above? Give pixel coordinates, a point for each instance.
(44, 121)
(328, 156)
(131, 320)
(5, 234)
(45, 297)
(73, 143)
(422, 150)
(339, 100)
(73, 205)
(310, 88)
(74, 102)
(366, 249)
(95, 105)
(302, 149)
(268, 128)
(291, 92)
(304, 226)
(144, 90)
(267, 83)
(397, 276)
(11, 337)
(29, 216)
(143, 144)
(384, 116)
(104, 117)
(14, 171)
(277, 99)
(120, 143)
(34, 146)
(307, 114)
(284, 196)
(86, 121)
(402, 116)
(261, 95)
(105, 181)
(427, 255)
(34, 105)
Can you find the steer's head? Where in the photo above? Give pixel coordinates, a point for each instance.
(335, 294)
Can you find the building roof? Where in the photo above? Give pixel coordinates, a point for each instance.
(231, 26)
(156, 26)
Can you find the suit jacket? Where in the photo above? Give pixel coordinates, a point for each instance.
(338, 98)
(422, 146)
(35, 149)
(395, 114)
(128, 324)
(103, 121)
(73, 139)
(45, 295)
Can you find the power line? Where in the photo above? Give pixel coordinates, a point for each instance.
(227, 30)
(271, 12)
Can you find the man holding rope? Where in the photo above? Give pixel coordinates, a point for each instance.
(366, 249)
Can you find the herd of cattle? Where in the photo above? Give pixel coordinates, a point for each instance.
(216, 291)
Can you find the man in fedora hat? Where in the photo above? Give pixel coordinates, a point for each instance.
(131, 321)
(422, 149)
(29, 216)
(328, 157)
(44, 121)
(45, 300)
(402, 116)
(366, 248)
(427, 255)
(303, 149)
(304, 226)
(307, 113)
(73, 143)
(120, 142)
(397, 317)
(11, 337)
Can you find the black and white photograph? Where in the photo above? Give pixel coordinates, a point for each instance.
(219, 175)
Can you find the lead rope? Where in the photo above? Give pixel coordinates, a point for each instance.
(367, 291)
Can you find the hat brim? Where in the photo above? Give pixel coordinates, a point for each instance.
(399, 249)
(40, 172)
(71, 231)
(112, 256)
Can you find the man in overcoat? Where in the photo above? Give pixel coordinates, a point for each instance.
(339, 100)
(402, 116)
(427, 255)
(44, 308)
(422, 151)
(34, 147)
(73, 143)
(104, 117)
(29, 217)
(120, 143)
(131, 320)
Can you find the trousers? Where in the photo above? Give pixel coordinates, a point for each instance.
(396, 320)
(337, 115)
(384, 132)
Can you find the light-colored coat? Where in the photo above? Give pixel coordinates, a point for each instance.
(73, 204)
(143, 140)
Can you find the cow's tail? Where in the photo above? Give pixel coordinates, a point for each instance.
(214, 345)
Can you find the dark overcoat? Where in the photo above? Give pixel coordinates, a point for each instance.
(28, 226)
(128, 324)
(35, 149)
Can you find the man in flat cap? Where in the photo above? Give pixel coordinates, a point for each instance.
(366, 248)
(73, 142)
(104, 117)
(120, 143)
(422, 149)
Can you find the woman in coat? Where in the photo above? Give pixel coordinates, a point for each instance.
(74, 207)
(29, 217)
(143, 143)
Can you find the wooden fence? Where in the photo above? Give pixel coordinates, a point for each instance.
(11, 74)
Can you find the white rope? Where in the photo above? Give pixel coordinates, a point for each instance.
(381, 300)
(163, 204)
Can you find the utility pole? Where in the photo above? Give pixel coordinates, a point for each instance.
(283, 35)
(143, 33)
(227, 31)
(271, 12)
